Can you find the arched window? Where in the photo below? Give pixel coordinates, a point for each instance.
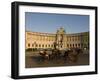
(67, 45)
(42, 45)
(45, 45)
(32, 45)
(73, 45)
(36, 45)
(76, 45)
(49, 45)
(28, 44)
(52, 45)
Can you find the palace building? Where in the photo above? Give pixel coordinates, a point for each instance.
(60, 39)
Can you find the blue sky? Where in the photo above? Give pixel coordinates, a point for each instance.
(47, 22)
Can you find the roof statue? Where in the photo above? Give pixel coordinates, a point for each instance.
(61, 30)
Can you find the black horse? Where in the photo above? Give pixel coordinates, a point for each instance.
(55, 54)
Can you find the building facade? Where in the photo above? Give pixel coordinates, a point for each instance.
(59, 39)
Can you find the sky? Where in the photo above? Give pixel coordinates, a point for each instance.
(49, 22)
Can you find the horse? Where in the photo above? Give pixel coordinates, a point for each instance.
(44, 55)
(55, 54)
(71, 55)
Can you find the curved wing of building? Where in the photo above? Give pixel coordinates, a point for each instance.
(60, 38)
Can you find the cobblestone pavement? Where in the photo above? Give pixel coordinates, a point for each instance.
(32, 61)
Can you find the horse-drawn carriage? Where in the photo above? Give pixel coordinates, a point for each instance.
(66, 55)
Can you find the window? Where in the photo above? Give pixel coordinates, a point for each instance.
(73, 45)
(42, 45)
(67, 45)
(73, 38)
(52, 45)
(45, 45)
(49, 45)
(28, 45)
(36, 45)
(78, 38)
(76, 45)
(32, 45)
(39, 45)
